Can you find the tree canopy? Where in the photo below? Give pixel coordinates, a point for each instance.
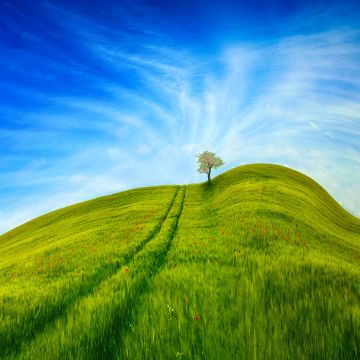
(207, 161)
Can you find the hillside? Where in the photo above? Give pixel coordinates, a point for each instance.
(261, 264)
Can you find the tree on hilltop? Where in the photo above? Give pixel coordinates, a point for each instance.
(208, 161)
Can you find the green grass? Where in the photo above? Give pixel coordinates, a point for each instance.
(261, 264)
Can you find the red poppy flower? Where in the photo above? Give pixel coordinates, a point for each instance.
(197, 317)
(126, 270)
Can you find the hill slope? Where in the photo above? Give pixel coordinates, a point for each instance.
(261, 264)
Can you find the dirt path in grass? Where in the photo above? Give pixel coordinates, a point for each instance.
(157, 257)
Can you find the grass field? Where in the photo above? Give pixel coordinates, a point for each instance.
(261, 264)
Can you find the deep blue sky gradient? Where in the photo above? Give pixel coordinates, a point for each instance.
(101, 96)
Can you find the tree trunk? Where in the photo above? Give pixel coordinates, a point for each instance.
(208, 174)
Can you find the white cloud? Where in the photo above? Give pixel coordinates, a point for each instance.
(115, 153)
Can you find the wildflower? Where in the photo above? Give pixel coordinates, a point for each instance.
(171, 312)
(126, 270)
(197, 317)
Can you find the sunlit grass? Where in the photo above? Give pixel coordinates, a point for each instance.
(261, 264)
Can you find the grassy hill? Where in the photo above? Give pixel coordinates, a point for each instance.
(262, 264)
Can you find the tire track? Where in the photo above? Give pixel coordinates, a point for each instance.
(13, 342)
(146, 265)
(110, 349)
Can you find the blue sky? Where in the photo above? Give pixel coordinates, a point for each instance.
(103, 96)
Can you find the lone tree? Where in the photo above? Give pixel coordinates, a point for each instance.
(207, 161)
